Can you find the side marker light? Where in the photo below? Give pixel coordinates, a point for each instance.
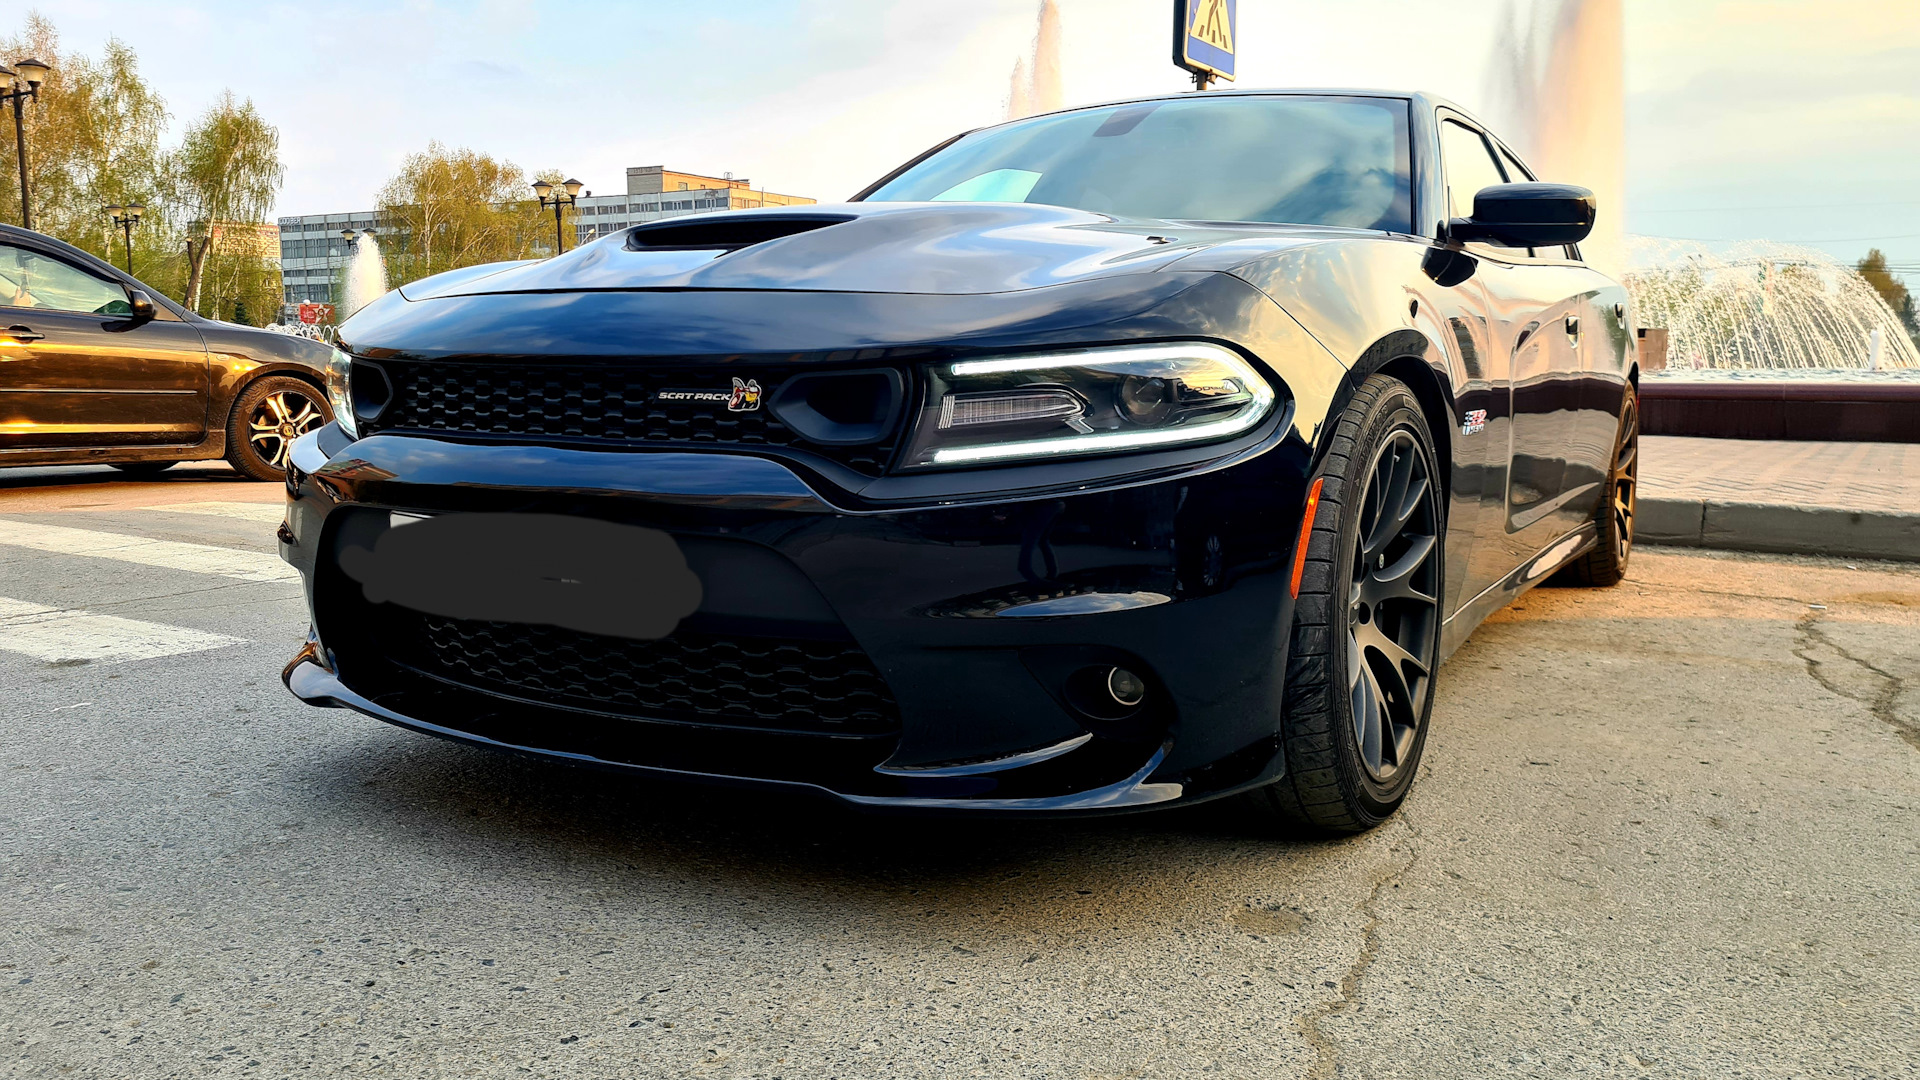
(1306, 533)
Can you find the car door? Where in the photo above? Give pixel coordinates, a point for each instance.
(78, 370)
(1595, 378)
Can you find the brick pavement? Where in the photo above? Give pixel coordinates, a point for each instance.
(1880, 477)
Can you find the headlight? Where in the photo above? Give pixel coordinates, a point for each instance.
(1089, 401)
(340, 391)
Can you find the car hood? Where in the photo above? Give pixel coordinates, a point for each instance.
(923, 248)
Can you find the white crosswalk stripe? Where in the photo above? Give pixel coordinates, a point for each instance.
(169, 554)
(265, 513)
(56, 635)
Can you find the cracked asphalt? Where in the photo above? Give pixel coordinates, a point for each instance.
(1664, 830)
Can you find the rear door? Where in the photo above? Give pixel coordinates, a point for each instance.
(77, 370)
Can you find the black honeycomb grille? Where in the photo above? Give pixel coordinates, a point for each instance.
(609, 403)
(789, 684)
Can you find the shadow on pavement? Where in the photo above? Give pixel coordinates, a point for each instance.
(69, 476)
(502, 811)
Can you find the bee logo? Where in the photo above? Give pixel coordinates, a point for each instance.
(745, 397)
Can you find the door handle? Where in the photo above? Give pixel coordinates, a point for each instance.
(22, 334)
(1573, 327)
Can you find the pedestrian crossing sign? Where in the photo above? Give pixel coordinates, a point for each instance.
(1204, 32)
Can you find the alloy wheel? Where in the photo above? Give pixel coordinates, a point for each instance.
(277, 421)
(1625, 469)
(1393, 605)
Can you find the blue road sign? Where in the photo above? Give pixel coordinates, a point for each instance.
(1204, 32)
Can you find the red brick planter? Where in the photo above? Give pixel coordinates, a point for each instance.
(1810, 411)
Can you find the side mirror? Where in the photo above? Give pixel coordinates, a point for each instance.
(1527, 215)
(141, 305)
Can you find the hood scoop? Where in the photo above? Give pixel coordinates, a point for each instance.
(729, 232)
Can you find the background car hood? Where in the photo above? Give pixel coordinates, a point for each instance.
(927, 248)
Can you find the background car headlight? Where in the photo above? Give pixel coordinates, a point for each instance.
(1088, 401)
(340, 391)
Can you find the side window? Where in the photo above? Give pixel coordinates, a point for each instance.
(1520, 174)
(29, 279)
(1470, 166)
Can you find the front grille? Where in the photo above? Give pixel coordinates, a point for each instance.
(602, 403)
(789, 684)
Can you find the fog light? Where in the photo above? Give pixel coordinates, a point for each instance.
(1127, 689)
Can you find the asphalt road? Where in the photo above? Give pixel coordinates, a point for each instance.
(1664, 830)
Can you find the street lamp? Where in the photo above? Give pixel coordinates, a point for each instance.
(17, 83)
(572, 195)
(126, 217)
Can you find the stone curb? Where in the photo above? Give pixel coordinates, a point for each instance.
(1775, 527)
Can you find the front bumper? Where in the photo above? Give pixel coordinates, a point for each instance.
(974, 619)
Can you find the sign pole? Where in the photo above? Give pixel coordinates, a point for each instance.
(1205, 33)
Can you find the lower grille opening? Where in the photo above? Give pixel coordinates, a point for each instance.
(772, 683)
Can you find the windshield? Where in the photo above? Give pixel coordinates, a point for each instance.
(1300, 160)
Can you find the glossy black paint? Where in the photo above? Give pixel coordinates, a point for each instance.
(105, 389)
(1178, 559)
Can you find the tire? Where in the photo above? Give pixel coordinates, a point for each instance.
(1353, 733)
(269, 415)
(1606, 564)
(143, 468)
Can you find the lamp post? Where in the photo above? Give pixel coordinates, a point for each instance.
(559, 199)
(125, 218)
(17, 83)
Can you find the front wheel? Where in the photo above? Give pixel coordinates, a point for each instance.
(1366, 625)
(269, 416)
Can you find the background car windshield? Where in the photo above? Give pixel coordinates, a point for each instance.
(1301, 160)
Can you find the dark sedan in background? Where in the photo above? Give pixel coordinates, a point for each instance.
(1118, 457)
(98, 369)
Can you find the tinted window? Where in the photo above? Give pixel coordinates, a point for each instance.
(29, 279)
(1303, 160)
(1470, 166)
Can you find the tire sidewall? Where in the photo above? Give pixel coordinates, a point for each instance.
(1394, 410)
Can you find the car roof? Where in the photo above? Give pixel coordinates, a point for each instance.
(1419, 97)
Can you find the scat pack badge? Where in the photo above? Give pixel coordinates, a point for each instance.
(1476, 419)
(746, 396)
(743, 397)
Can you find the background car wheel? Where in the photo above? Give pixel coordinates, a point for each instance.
(1366, 627)
(1606, 564)
(269, 416)
(144, 468)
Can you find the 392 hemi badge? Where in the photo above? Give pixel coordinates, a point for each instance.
(1475, 420)
(743, 397)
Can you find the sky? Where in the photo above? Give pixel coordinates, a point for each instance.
(1791, 120)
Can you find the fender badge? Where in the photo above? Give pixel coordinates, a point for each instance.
(1476, 420)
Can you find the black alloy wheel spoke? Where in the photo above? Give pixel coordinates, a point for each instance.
(1393, 611)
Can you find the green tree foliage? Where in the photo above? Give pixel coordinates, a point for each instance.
(449, 208)
(93, 140)
(224, 175)
(1891, 289)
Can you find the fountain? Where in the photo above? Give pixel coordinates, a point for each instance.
(1763, 340)
(1036, 81)
(1757, 307)
(365, 278)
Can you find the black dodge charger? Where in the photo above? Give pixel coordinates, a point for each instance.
(1108, 459)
